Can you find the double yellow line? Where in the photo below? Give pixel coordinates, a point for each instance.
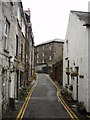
(67, 108)
(24, 106)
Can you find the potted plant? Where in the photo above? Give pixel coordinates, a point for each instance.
(67, 95)
(81, 107)
(63, 91)
(67, 71)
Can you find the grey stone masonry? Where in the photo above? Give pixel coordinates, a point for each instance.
(7, 52)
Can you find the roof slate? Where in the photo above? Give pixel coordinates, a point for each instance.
(51, 41)
(85, 16)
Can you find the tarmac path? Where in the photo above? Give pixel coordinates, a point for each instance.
(44, 101)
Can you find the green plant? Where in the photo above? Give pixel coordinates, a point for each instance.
(66, 93)
(80, 105)
(23, 92)
(74, 73)
(35, 76)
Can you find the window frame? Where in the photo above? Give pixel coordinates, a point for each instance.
(6, 35)
(16, 46)
(21, 52)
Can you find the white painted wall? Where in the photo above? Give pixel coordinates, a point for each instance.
(88, 98)
(88, 94)
(0, 61)
(77, 36)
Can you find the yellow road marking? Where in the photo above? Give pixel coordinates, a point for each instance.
(88, 116)
(22, 110)
(66, 108)
(28, 101)
(22, 107)
(70, 112)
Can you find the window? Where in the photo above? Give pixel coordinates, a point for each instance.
(23, 27)
(19, 15)
(21, 79)
(50, 58)
(50, 47)
(37, 60)
(16, 45)
(21, 52)
(43, 54)
(11, 3)
(43, 47)
(6, 34)
(37, 56)
(42, 60)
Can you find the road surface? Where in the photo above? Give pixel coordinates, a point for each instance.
(44, 102)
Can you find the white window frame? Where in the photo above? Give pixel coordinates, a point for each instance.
(43, 54)
(50, 58)
(6, 35)
(43, 47)
(23, 27)
(37, 56)
(43, 61)
(19, 15)
(50, 47)
(37, 60)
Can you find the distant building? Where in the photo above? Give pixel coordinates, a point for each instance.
(49, 53)
(76, 58)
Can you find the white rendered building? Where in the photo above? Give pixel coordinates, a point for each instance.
(77, 56)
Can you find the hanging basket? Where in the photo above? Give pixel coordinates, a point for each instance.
(74, 73)
(67, 71)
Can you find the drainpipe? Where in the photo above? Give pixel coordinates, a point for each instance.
(77, 69)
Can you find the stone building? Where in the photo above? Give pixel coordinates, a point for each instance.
(29, 48)
(8, 33)
(15, 31)
(24, 49)
(76, 60)
(20, 49)
(48, 53)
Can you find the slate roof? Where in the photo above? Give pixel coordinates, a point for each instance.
(85, 16)
(51, 41)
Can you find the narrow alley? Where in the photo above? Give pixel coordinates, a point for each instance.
(41, 75)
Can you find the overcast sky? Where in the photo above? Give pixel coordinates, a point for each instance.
(50, 17)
